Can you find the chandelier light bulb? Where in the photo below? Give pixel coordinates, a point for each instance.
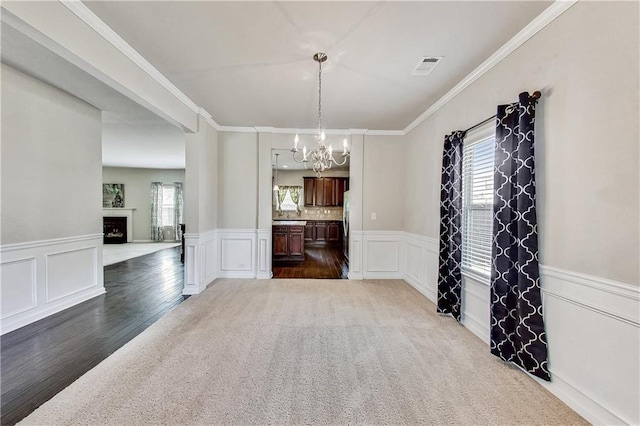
(295, 142)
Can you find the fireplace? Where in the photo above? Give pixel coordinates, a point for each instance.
(115, 229)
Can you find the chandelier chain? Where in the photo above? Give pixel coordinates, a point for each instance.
(320, 97)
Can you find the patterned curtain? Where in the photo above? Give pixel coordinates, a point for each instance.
(156, 212)
(282, 192)
(177, 209)
(449, 270)
(295, 195)
(517, 325)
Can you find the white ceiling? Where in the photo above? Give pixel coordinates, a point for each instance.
(250, 63)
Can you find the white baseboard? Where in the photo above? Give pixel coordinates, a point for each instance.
(40, 278)
(583, 315)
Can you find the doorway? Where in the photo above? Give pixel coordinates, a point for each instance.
(309, 221)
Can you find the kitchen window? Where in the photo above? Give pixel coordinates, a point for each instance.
(477, 205)
(287, 204)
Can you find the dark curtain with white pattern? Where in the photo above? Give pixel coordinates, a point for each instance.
(450, 253)
(517, 325)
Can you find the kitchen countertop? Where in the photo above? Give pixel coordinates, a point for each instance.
(290, 222)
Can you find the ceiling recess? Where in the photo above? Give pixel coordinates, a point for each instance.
(426, 65)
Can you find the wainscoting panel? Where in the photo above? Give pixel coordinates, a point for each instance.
(382, 251)
(593, 330)
(199, 261)
(18, 287)
(69, 272)
(355, 255)
(264, 254)
(41, 278)
(420, 265)
(237, 253)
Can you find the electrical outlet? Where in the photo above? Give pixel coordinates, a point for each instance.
(373, 216)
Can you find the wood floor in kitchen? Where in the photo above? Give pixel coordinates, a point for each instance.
(322, 260)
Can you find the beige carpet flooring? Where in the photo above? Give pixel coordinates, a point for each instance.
(304, 352)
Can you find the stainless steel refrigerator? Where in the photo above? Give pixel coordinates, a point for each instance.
(345, 225)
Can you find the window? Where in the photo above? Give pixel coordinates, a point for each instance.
(168, 197)
(287, 204)
(477, 205)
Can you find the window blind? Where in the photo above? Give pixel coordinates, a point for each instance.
(477, 206)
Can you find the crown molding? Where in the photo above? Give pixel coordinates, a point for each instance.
(99, 26)
(292, 131)
(539, 22)
(238, 129)
(385, 132)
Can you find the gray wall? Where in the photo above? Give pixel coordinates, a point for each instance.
(383, 181)
(137, 192)
(201, 179)
(46, 192)
(238, 173)
(587, 139)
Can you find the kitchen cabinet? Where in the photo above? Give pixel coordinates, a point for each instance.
(333, 231)
(310, 231)
(288, 242)
(323, 231)
(325, 192)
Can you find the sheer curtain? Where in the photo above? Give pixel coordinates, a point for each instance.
(178, 204)
(517, 325)
(156, 212)
(450, 253)
(282, 192)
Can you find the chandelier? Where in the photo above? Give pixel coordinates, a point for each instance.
(322, 157)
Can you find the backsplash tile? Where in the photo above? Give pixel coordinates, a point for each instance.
(311, 213)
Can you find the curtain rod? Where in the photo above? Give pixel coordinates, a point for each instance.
(536, 95)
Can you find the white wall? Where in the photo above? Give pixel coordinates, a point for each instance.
(238, 174)
(137, 192)
(51, 202)
(586, 65)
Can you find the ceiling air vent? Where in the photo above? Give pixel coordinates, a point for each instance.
(426, 65)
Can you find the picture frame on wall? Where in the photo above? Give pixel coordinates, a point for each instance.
(113, 195)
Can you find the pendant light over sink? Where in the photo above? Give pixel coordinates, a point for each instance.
(322, 157)
(276, 188)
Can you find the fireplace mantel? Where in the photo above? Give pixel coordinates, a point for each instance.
(122, 212)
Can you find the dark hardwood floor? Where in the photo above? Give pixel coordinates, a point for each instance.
(322, 260)
(41, 359)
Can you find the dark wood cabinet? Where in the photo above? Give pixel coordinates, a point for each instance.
(310, 231)
(319, 199)
(309, 191)
(280, 241)
(333, 231)
(325, 192)
(323, 231)
(296, 241)
(288, 242)
(329, 192)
